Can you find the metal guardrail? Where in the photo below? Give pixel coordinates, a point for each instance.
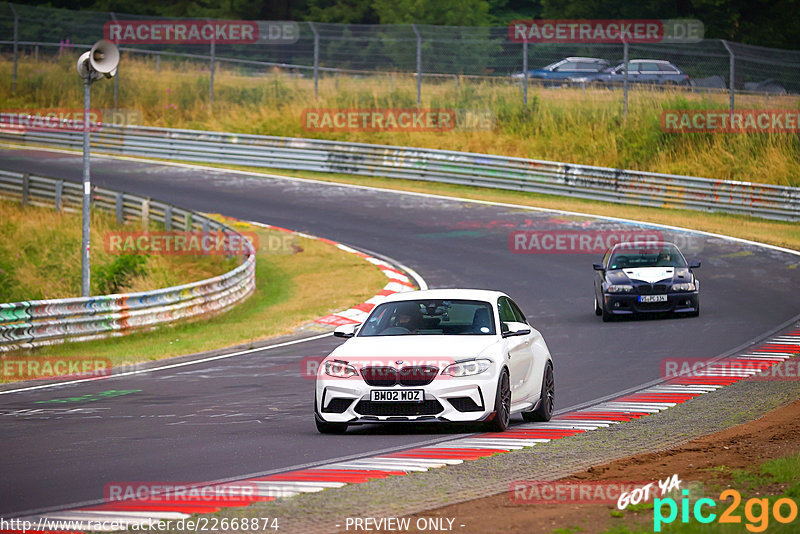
(43, 322)
(464, 168)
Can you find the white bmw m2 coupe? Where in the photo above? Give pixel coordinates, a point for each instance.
(442, 355)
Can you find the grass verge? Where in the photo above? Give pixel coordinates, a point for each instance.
(40, 257)
(563, 124)
(291, 289)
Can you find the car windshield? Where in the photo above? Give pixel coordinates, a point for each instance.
(646, 255)
(430, 317)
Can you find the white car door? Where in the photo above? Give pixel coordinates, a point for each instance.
(517, 348)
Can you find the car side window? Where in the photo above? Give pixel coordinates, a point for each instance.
(520, 317)
(648, 67)
(567, 66)
(505, 312)
(665, 67)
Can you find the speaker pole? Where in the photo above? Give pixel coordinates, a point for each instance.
(87, 192)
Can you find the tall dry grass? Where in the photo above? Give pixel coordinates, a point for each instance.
(573, 125)
(40, 256)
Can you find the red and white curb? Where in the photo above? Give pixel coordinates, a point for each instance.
(398, 281)
(625, 408)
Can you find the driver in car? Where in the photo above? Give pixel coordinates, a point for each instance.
(409, 316)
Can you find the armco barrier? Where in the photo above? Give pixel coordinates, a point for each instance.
(484, 170)
(42, 322)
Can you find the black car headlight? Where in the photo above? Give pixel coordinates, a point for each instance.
(619, 288)
(686, 286)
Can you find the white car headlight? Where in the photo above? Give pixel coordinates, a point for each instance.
(620, 288)
(467, 368)
(339, 369)
(688, 286)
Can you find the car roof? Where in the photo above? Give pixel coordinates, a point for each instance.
(649, 61)
(634, 244)
(578, 58)
(485, 295)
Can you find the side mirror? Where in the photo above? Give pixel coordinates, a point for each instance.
(516, 329)
(346, 330)
(694, 265)
(598, 267)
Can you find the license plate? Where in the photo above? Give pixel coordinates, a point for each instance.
(397, 395)
(652, 298)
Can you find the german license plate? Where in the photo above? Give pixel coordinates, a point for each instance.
(397, 395)
(652, 298)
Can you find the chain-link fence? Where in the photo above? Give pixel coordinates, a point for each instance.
(426, 52)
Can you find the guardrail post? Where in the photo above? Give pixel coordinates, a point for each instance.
(36, 53)
(732, 73)
(59, 194)
(187, 221)
(145, 214)
(316, 59)
(16, 46)
(119, 207)
(625, 80)
(206, 226)
(158, 62)
(525, 73)
(419, 64)
(26, 179)
(168, 218)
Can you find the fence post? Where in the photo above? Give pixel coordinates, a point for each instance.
(525, 73)
(625, 80)
(36, 53)
(119, 207)
(211, 81)
(168, 218)
(145, 214)
(26, 186)
(316, 59)
(116, 74)
(187, 221)
(158, 62)
(419, 64)
(59, 194)
(732, 73)
(16, 45)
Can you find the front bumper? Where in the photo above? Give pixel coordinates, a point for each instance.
(446, 399)
(628, 303)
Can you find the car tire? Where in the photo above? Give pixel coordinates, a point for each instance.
(607, 317)
(323, 427)
(502, 405)
(544, 411)
(597, 310)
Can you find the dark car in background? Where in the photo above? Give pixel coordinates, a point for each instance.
(652, 71)
(645, 277)
(566, 68)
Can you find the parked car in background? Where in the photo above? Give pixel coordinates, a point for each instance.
(566, 68)
(652, 71)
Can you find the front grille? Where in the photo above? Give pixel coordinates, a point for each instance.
(648, 289)
(379, 376)
(465, 404)
(420, 375)
(428, 407)
(337, 405)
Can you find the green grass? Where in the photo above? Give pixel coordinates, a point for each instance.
(571, 125)
(40, 257)
(291, 289)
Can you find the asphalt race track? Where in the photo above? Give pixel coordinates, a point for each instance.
(253, 413)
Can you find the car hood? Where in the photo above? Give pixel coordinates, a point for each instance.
(414, 347)
(651, 275)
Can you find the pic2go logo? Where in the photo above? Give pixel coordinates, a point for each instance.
(756, 511)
